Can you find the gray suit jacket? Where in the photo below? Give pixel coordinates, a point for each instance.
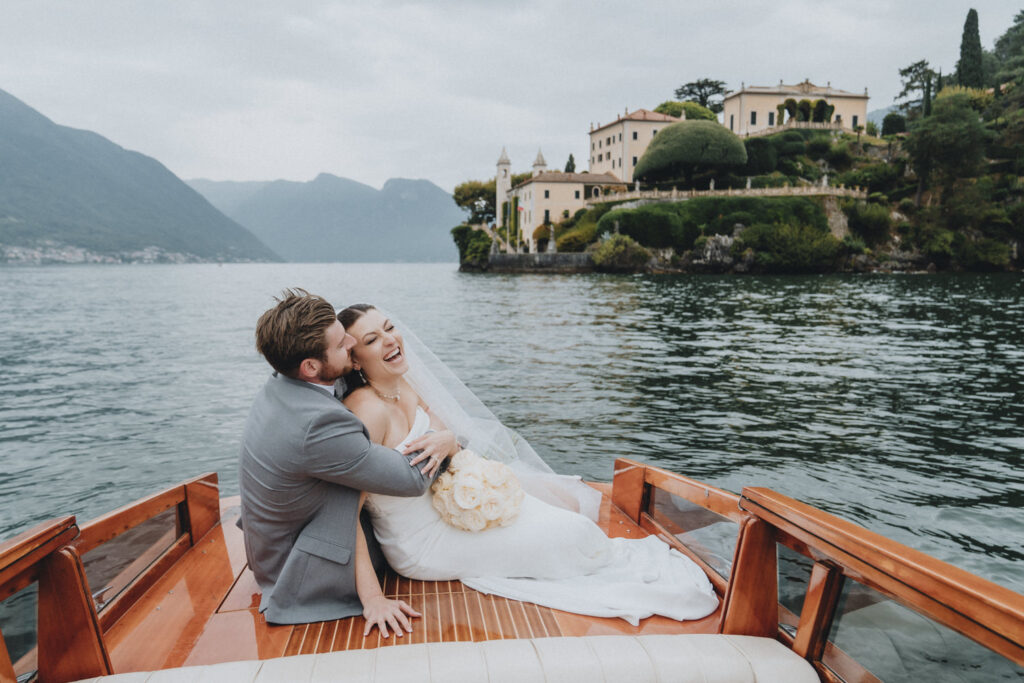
(304, 461)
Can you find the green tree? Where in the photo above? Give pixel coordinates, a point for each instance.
(818, 111)
(803, 108)
(570, 165)
(692, 110)
(706, 92)
(893, 123)
(620, 253)
(915, 78)
(681, 149)
(926, 100)
(970, 70)
(950, 142)
(791, 108)
(477, 199)
(871, 128)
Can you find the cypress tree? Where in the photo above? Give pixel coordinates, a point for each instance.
(969, 70)
(926, 101)
(938, 83)
(570, 165)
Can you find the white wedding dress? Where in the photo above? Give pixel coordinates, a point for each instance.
(548, 555)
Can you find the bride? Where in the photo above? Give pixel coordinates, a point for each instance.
(552, 554)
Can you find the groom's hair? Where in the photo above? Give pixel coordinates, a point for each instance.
(294, 330)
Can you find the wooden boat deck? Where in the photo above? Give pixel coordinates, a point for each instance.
(204, 611)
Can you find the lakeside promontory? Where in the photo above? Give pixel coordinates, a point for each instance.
(779, 179)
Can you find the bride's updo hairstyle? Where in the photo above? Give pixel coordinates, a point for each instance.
(348, 316)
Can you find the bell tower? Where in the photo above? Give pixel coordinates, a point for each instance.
(502, 186)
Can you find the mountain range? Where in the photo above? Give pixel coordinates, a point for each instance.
(63, 189)
(337, 219)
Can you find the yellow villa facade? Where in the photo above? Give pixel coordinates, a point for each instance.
(754, 108)
(616, 147)
(545, 198)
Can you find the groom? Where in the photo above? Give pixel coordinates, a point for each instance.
(304, 461)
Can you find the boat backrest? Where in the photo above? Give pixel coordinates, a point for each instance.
(855, 604)
(55, 557)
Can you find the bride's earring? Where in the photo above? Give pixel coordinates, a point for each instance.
(362, 376)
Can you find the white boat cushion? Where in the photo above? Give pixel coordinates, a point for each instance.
(702, 658)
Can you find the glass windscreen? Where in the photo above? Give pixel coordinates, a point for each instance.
(710, 535)
(794, 575)
(18, 625)
(110, 567)
(896, 644)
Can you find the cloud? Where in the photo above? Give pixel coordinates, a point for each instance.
(262, 90)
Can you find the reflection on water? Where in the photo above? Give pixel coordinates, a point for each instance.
(894, 401)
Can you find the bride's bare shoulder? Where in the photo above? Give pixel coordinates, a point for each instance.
(373, 412)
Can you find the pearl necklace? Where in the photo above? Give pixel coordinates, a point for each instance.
(387, 397)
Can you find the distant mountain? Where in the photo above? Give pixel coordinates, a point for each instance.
(877, 115)
(74, 190)
(337, 219)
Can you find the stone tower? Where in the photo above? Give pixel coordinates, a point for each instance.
(502, 186)
(539, 165)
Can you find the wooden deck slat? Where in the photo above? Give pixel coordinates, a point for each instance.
(231, 628)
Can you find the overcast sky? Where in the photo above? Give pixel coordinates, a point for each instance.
(254, 90)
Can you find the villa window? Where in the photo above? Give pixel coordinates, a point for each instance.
(731, 121)
(634, 161)
(600, 157)
(654, 132)
(854, 120)
(547, 216)
(599, 143)
(634, 135)
(620, 137)
(753, 118)
(771, 118)
(620, 162)
(577, 194)
(609, 141)
(547, 194)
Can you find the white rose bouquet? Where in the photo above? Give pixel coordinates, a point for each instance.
(477, 494)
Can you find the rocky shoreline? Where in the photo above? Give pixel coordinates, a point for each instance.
(55, 253)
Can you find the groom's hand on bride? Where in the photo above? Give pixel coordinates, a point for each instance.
(434, 447)
(382, 612)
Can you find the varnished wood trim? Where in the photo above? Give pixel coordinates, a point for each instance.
(648, 523)
(113, 524)
(70, 642)
(823, 588)
(979, 609)
(202, 500)
(717, 500)
(842, 668)
(117, 607)
(7, 674)
(751, 601)
(628, 488)
(27, 550)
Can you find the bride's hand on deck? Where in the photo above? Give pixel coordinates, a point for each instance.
(382, 612)
(435, 447)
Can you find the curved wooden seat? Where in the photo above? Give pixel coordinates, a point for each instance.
(692, 657)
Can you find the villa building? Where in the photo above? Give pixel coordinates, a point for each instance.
(754, 108)
(616, 147)
(545, 198)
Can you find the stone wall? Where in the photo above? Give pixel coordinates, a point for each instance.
(562, 262)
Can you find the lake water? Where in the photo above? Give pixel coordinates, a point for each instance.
(893, 401)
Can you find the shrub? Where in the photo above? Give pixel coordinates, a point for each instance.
(761, 156)
(839, 157)
(818, 146)
(652, 226)
(854, 245)
(681, 149)
(880, 177)
(983, 254)
(474, 245)
(791, 248)
(868, 221)
(585, 229)
(907, 206)
(620, 253)
(894, 123)
(789, 144)
(871, 128)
